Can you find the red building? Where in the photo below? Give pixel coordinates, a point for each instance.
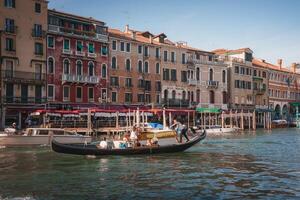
(77, 59)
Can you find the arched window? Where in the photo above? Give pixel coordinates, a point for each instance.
(192, 96)
(157, 68)
(224, 97)
(198, 74)
(91, 69)
(198, 96)
(114, 63)
(173, 94)
(78, 68)
(211, 97)
(224, 76)
(103, 71)
(183, 95)
(140, 66)
(211, 74)
(50, 65)
(127, 65)
(66, 66)
(146, 67)
(166, 94)
(189, 95)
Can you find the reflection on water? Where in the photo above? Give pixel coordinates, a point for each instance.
(256, 166)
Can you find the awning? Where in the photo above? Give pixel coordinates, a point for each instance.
(208, 110)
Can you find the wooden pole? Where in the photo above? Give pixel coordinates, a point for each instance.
(89, 122)
(170, 118)
(222, 119)
(164, 118)
(204, 119)
(264, 119)
(231, 119)
(194, 118)
(188, 122)
(209, 120)
(253, 121)
(143, 120)
(117, 120)
(249, 121)
(242, 120)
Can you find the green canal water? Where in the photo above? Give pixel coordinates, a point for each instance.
(261, 165)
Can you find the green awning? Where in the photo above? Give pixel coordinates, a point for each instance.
(208, 110)
(257, 78)
(295, 103)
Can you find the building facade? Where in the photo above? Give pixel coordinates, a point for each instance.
(23, 58)
(77, 59)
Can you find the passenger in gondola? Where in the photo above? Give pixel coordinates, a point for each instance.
(102, 144)
(133, 135)
(154, 141)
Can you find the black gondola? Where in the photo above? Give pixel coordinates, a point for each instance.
(91, 149)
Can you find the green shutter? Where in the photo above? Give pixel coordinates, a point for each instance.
(91, 48)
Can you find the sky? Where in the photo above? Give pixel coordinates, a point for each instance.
(271, 28)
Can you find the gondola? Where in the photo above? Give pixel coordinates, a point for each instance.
(91, 149)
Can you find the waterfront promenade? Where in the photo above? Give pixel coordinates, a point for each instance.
(259, 165)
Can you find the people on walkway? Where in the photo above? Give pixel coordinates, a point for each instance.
(180, 129)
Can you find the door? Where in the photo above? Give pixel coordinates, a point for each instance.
(24, 93)
(9, 93)
(38, 94)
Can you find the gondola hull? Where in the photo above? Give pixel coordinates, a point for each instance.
(91, 149)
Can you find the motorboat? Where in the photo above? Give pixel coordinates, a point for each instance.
(42, 136)
(93, 149)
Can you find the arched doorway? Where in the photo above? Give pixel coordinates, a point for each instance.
(285, 111)
(277, 111)
(166, 94)
(224, 94)
(211, 97)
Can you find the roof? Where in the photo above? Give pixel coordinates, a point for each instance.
(264, 64)
(228, 51)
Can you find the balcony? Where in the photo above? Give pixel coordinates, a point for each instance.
(91, 55)
(192, 82)
(10, 29)
(193, 61)
(23, 100)
(80, 33)
(80, 79)
(259, 91)
(212, 84)
(67, 51)
(177, 103)
(38, 33)
(80, 53)
(23, 77)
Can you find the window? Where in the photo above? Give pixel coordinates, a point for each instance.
(50, 42)
(113, 96)
(211, 74)
(172, 56)
(141, 98)
(147, 85)
(114, 45)
(122, 44)
(37, 30)
(183, 58)
(128, 47)
(128, 97)
(141, 83)
(79, 68)
(224, 76)
(173, 94)
(247, 71)
(114, 81)
(91, 48)
(146, 51)
(127, 65)
(103, 71)
(242, 70)
(157, 98)
(50, 65)
(173, 75)
(37, 7)
(140, 49)
(248, 57)
(10, 25)
(198, 96)
(224, 97)
(211, 97)
(166, 74)
(148, 98)
(79, 46)
(183, 76)
(38, 48)
(66, 44)
(264, 74)
(91, 71)
(78, 93)
(158, 86)
(9, 44)
(236, 69)
(104, 50)
(254, 73)
(165, 56)
(114, 63)
(91, 94)
(66, 66)
(157, 53)
(140, 66)
(10, 3)
(146, 67)
(157, 68)
(128, 82)
(197, 74)
(66, 93)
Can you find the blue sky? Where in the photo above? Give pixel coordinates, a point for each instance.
(270, 28)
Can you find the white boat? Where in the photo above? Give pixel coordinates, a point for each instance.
(42, 136)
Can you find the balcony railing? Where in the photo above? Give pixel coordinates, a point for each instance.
(177, 103)
(72, 31)
(79, 53)
(212, 84)
(259, 91)
(24, 100)
(80, 79)
(193, 61)
(10, 29)
(67, 51)
(192, 81)
(92, 55)
(21, 76)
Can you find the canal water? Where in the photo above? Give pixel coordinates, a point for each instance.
(261, 165)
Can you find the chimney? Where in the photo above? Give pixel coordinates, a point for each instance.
(133, 35)
(294, 67)
(126, 28)
(279, 63)
(150, 39)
